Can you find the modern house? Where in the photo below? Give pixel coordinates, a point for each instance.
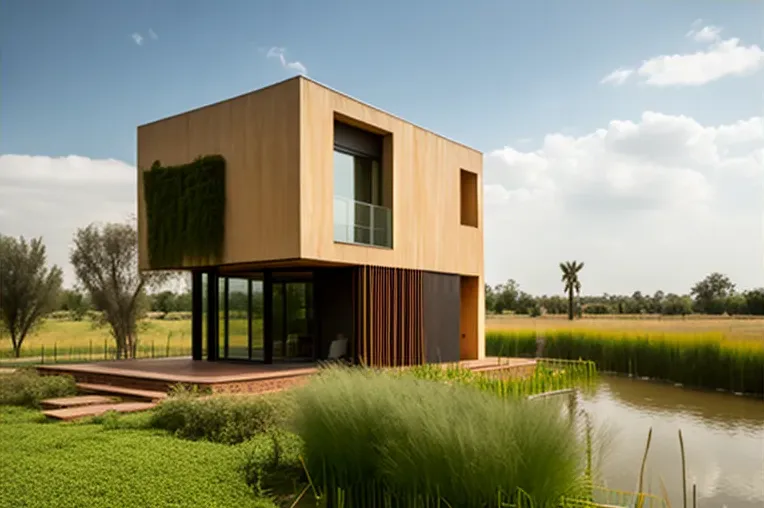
(313, 222)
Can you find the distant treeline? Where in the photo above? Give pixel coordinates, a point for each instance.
(714, 295)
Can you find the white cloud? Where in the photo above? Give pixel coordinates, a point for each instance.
(137, 38)
(708, 33)
(53, 196)
(153, 34)
(724, 58)
(650, 204)
(618, 76)
(279, 53)
(720, 59)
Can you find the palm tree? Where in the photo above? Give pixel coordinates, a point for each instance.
(570, 271)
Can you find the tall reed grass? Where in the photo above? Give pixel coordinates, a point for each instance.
(700, 360)
(549, 375)
(376, 439)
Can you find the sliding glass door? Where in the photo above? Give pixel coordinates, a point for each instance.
(241, 319)
(293, 333)
(237, 322)
(241, 322)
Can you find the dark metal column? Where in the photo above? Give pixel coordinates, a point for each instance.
(225, 318)
(196, 315)
(249, 319)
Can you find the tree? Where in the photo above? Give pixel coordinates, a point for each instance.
(570, 271)
(755, 301)
(506, 296)
(490, 299)
(164, 301)
(711, 293)
(735, 305)
(675, 305)
(28, 289)
(525, 303)
(75, 303)
(105, 261)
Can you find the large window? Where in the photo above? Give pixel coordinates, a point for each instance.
(360, 212)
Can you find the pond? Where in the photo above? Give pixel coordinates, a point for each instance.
(723, 441)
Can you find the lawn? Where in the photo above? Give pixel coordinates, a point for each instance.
(75, 464)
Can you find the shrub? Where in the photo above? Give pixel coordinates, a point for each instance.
(25, 387)
(60, 315)
(226, 419)
(596, 308)
(177, 316)
(376, 437)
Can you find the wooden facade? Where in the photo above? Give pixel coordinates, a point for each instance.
(258, 134)
(389, 324)
(278, 143)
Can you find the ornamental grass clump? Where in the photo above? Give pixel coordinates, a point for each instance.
(378, 438)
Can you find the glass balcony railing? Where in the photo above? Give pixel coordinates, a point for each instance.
(362, 223)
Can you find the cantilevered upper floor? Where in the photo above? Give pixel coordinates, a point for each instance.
(313, 176)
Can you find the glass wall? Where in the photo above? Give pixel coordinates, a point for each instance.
(256, 321)
(294, 337)
(237, 323)
(241, 318)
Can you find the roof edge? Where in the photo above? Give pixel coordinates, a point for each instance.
(322, 85)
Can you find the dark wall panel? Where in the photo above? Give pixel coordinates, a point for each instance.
(333, 290)
(441, 317)
(352, 139)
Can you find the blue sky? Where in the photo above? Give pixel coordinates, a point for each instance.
(484, 73)
(73, 81)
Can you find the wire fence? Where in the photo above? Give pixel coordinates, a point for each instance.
(93, 352)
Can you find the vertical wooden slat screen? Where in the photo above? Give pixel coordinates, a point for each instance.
(389, 318)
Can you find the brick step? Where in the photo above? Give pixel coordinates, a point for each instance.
(122, 391)
(81, 400)
(72, 413)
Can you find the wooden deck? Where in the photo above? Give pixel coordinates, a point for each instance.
(162, 374)
(156, 376)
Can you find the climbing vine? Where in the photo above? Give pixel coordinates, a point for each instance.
(185, 211)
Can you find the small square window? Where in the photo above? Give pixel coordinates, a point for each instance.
(468, 194)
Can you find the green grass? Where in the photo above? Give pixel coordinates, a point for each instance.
(377, 438)
(700, 360)
(86, 465)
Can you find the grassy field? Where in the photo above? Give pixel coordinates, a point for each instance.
(728, 328)
(80, 336)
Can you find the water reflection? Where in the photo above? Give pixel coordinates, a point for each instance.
(723, 435)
